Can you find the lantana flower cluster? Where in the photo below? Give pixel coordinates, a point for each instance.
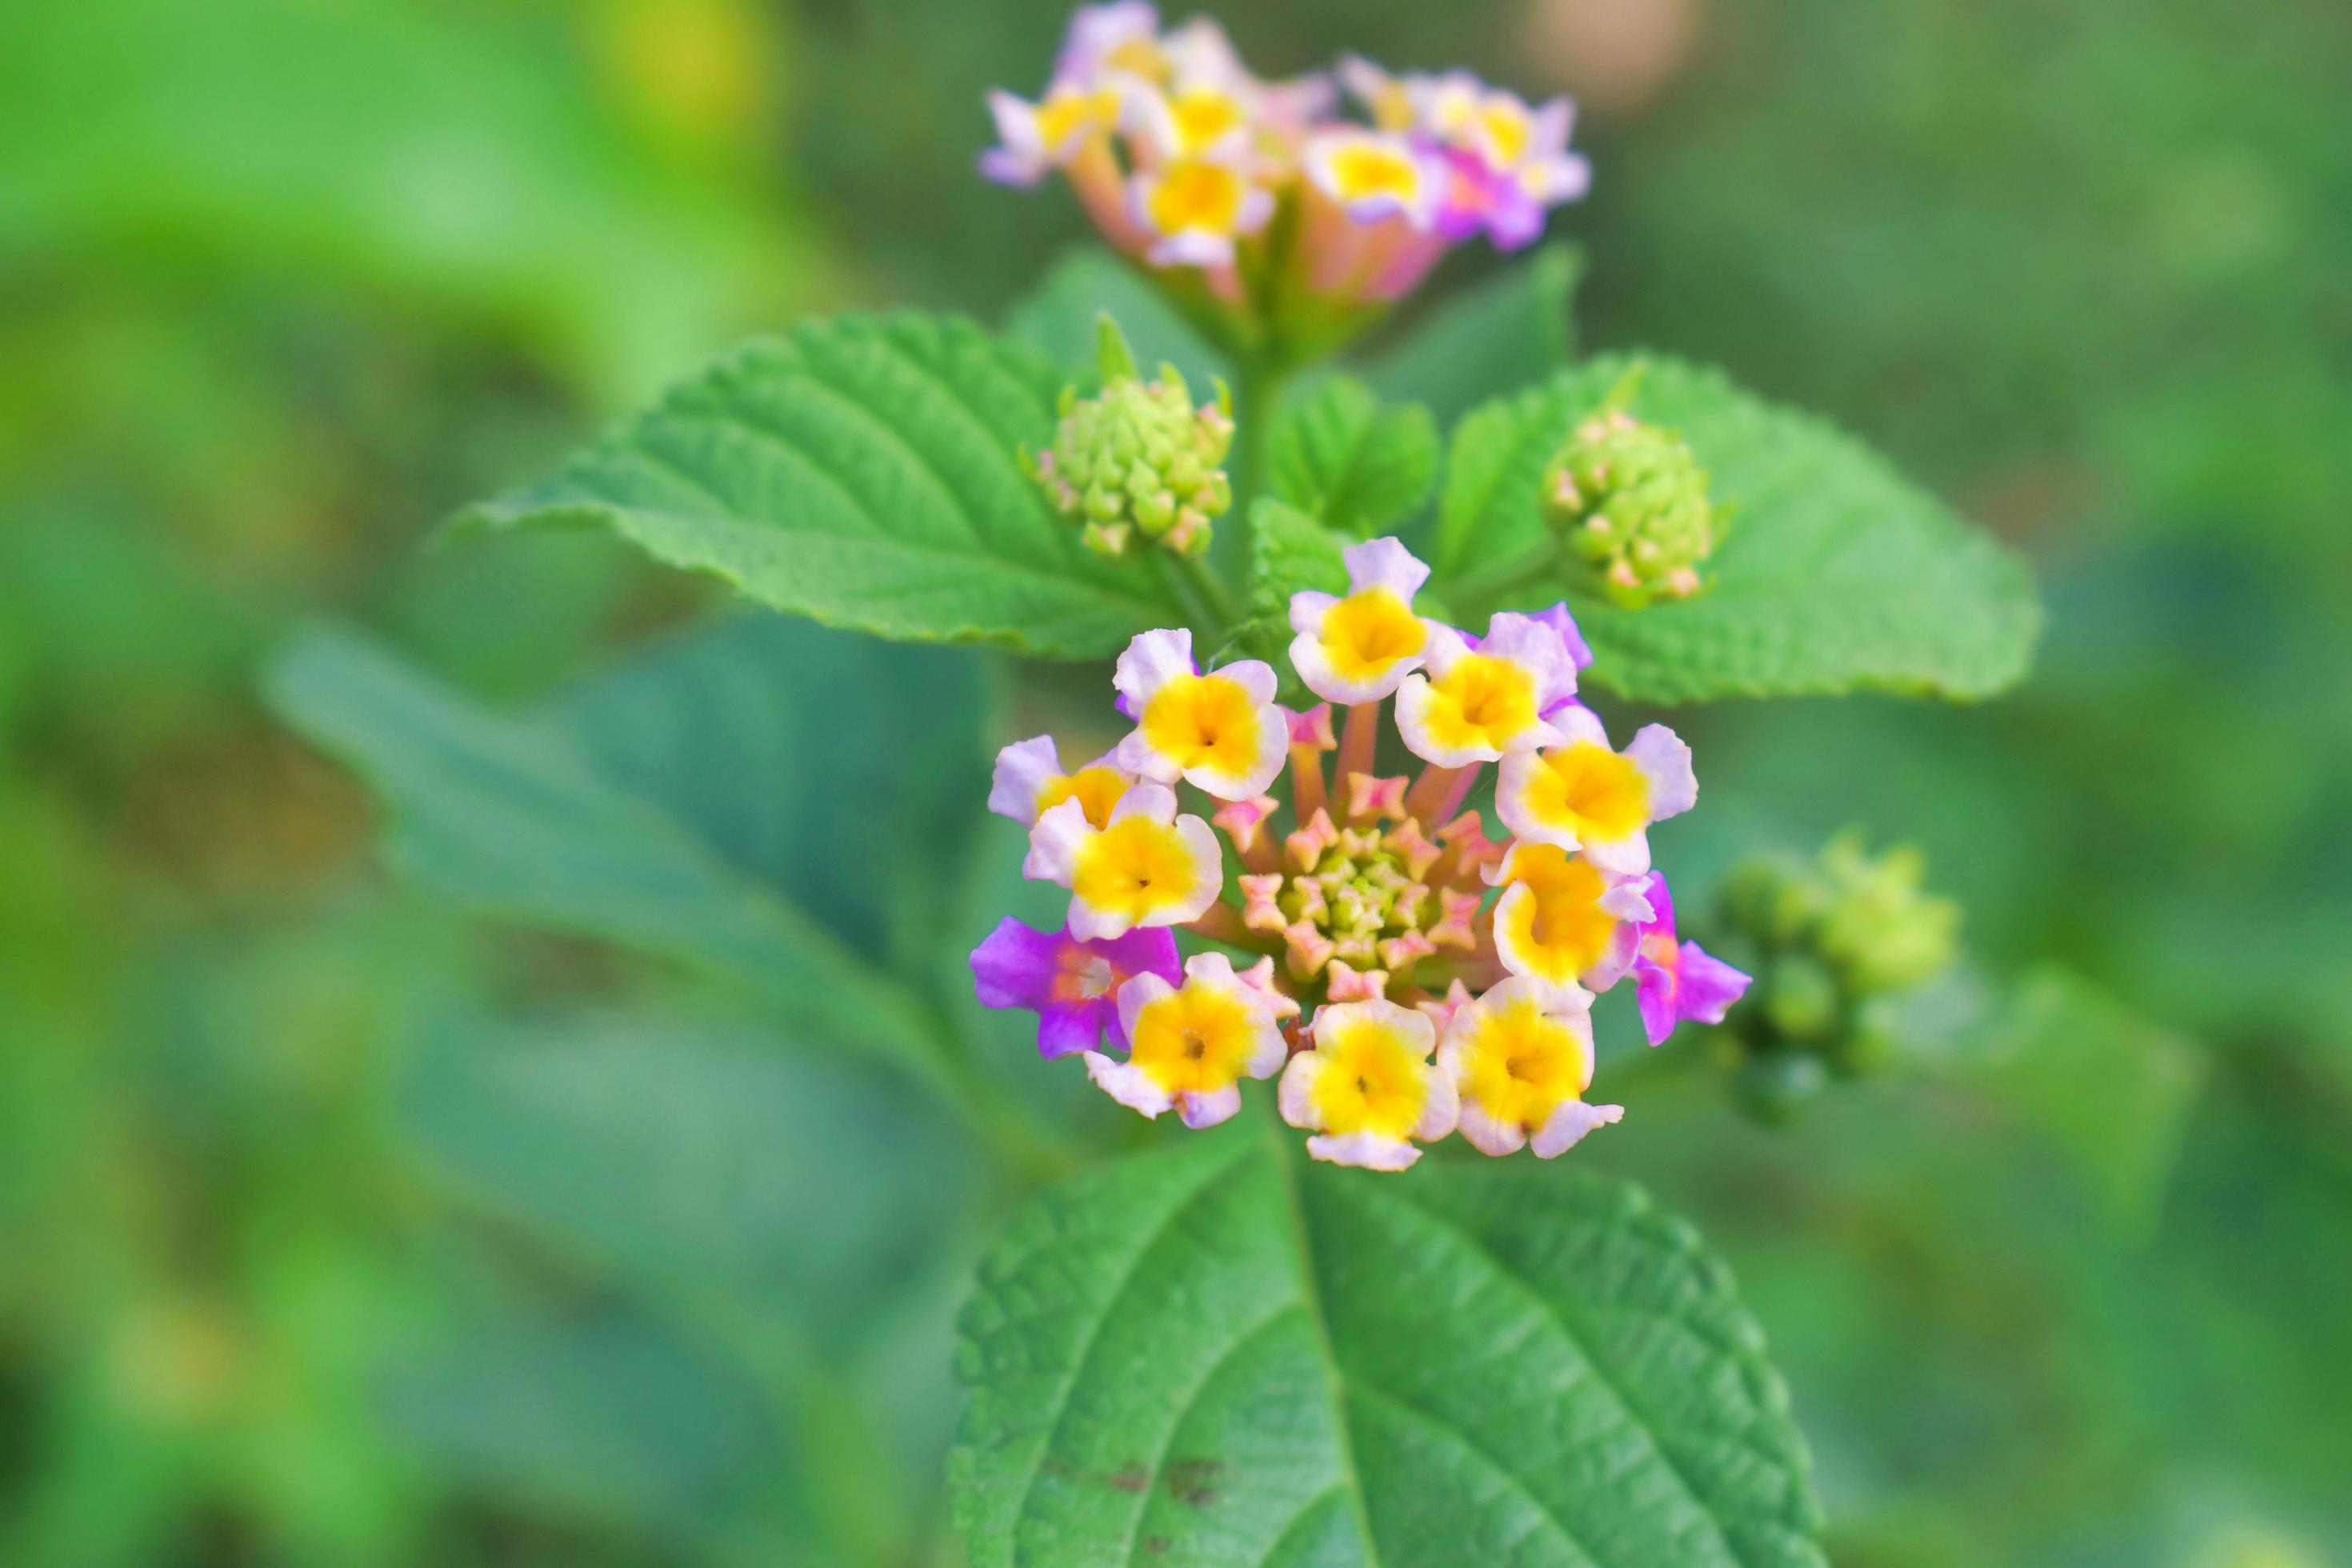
(1264, 199)
(1405, 973)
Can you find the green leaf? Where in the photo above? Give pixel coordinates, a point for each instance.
(2108, 1089)
(1340, 454)
(849, 772)
(1289, 551)
(1059, 318)
(1837, 574)
(796, 1212)
(514, 816)
(861, 471)
(1219, 1353)
(1488, 341)
(691, 1154)
(611, 1418)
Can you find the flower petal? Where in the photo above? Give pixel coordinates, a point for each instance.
(1023, 770)
(1206, 1110)
(1060, 834)
(1151, 660)
(1665, 760)
(1384, 562)
(1130, 1086)
(1366, 1151)
(1569, 1124)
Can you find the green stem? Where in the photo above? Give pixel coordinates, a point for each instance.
(1185, 585)
(1218, 599)
(1257, 391)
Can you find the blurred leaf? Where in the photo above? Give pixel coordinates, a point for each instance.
(1341, 455)
(683, 1153)
(861, 471)
(1289, 551)
(1058, 317)
(2110, 1090)
(512, 817)
(1488, 341)
(1836, 576)
(448, 158)
(848, 771)
(1219, 1353)
(609, 1417)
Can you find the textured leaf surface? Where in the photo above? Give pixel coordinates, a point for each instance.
(1837, 574)
(1217, 1354)
(1341, 455)
(1289, 551)
(1488, 341)
(861, 471)
(555, 816)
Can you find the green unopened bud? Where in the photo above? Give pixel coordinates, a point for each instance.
(1137, 461)
(1772, 898)
(1801, 998)
(1837, 942)
(1869, 1043)
(1880, 931)
(1774, 1086)
(1630, 500)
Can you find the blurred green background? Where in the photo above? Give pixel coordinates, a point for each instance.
(283, 282)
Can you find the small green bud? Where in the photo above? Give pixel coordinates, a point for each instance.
(1801, 998)
(1630, 500)
(1836, 942)
(1137, 461)
(1868, 1044)
(1882, 932)
(1772, 898)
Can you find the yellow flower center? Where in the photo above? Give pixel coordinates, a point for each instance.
(1562, 925)
(1203, 721)
(1362, 171)
(1366, 633)
(1203, 117)
(1096, 789)
(1139, 57)
(1507, 131)
(1135, 866)
(1194, 194)
(1069, 112)
(1481, 702)
(1589, 790)
(1391, 106)
(1371, 1082)
(1522, 1065)
(1196, 1039)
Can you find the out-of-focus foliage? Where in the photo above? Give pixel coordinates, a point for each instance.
(281, 284)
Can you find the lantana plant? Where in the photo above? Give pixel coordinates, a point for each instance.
(1348, 882)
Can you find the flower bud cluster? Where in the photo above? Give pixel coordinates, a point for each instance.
(1137, 461)
(1833, 941)
(1630, 501)
(1283, 215)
